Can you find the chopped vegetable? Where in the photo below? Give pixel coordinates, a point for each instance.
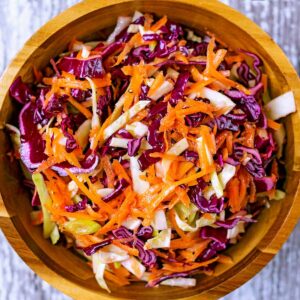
(81, 227)
(134, 267)
(48, 225)
(162, 240)
(281, 106)
(152, 151)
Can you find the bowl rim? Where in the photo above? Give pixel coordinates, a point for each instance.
(265, 250)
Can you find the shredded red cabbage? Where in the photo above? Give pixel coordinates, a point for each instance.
(82, 68)
(20, 91)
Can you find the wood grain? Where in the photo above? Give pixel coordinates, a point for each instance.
(34, 13)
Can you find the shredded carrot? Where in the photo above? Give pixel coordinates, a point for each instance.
(196, 74)
(186, 141)
(219, 57)
(134, 41)
(167, 156)
(233, 59)
(183, 168)
(125, 208)
(181, 57)
(249, 135)
(134, 87)
(192, 253)
(159, 23)
(193, 177)
(110, 225)
(264, 81)
(229, 143)
(198, 86)
(77, 84)
(49, 162)
(109, 171)
(156, 84)
(233, 194)
(80, 107)
(120, 171)
(211, 71)
(273, 125)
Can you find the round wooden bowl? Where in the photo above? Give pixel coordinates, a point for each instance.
(64, 269)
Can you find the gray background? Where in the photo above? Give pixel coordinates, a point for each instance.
(280, 18)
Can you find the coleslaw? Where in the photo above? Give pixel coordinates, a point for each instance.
(151, 152)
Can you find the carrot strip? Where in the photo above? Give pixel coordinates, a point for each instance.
(134, 87)
(75, 215)
(125, 208)
(233, 59)
(196, 74)
(158, 81)
(167, 156)
(120, 171)
(273, 125)
(135, 40)
(193, 177)
(80, 107)
(211, 71)
(48, 163)
(232, 190)
(159, 23)
(108, 226)
(109, 171)
(198, 86)
(264, 81)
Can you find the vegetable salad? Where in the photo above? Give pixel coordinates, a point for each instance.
(150, 152)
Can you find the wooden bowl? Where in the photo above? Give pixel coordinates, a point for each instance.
(65, 270)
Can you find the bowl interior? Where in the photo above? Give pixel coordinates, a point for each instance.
(17, 200)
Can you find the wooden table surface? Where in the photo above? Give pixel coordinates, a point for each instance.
(280, 280)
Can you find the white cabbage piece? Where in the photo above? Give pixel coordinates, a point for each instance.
(111, 253)
(160, 220)
(134, 266)
(137, 129)
(132, 223)
(201, 222)
(217, 99)
(139, 185)
(82, 133)
(122, 23)
(164, 89)
(180, 281)
(119, 142)
(124, 118)
(281, 106)
(162, 240)
(99, 269)
(104, 192)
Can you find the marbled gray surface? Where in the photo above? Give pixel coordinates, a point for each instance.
(280, 280)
